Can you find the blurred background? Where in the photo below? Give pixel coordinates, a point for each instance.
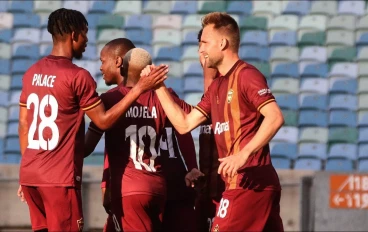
(314, 55)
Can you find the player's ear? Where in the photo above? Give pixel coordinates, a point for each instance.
(118, 62)
(75, 36)
(224, 43)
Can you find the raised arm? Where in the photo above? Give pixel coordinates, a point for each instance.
(106, 119)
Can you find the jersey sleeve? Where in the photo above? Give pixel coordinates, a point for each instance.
(85, 90)
(106, 173)
(254, 87)
(105, 100)
(187, 149)
(204, 106)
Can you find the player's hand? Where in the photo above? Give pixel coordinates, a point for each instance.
(231, 164)
(155, 77)
(193, 177)
(21, 195)
(147, 70)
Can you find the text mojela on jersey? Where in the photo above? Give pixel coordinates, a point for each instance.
(43, 80)
(141, 112)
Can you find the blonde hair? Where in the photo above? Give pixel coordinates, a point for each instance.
(226, 25)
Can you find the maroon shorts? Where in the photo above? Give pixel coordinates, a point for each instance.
(205, 210)
(139, 212)
(179, 216)
(54, 208)
(248, 210)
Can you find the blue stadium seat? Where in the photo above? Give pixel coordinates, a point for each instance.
(140, 36)
(296, 7)
(289, 150)
(344, 69)
(184, 7)
(26, 20)
(343, 101)
(363, 135)
(156, 7)
(283, 38)
(254, 53)
(21, 65)
(46, 37)
(125, 8)
(12, 129)
(313, 134)
(287, 101)
(20, 6)
(239, 7)
(176, 84)
(45, 49)
(172, 53)
(254, 37)
(13, 114)
(313, 118)
(192, 98)
(284, 85)
(4, 98)
(363, 118)
(343, 150)
(343, 85)
(190, 53)
(281, 162)
(308, 164)
(193, 69)
(91, 53)
(314, 85)
(31, 35)
(190, 38)
(25, 50)
(286, 70)
(351, 7)
(3, 115)
(6, 35)
(92, 20)
(285, 54)
(16, 82)
(313, 53)
(101, 7)
(343, 118)
(3, 6)
(12, 145)
(287, 134)
(81, 6)
(339, 165)
(10, 158)
(313, 101)
(193, 84)
(168, 22)
(148, 48)
(342, 135)
(362, 39)
(4, 66)
(14, 97)
(363, 165)
(313, 150)
(138, 22)
(363, 151)
(314, 70)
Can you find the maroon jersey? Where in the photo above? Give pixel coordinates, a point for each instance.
(208, 163)
(233, 102)
(132, 144)
(55, 92)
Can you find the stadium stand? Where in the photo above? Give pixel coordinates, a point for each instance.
(314, 55)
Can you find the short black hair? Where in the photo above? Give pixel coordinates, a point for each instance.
(200, 35)
(64, 21)
(120, 46)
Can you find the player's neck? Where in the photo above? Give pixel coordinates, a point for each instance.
(227, 63)
(60, 49)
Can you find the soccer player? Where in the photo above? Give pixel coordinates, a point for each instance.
(55, 95)
(137, 181)
(245, 117)
(179, 210)
(210, 195)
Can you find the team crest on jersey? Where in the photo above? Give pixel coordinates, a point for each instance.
(80, 224)
(230, 95)
(216, 228)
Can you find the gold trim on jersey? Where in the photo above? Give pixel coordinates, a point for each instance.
(92, 106)
(22, 104)
(264, 103)
(202, 111)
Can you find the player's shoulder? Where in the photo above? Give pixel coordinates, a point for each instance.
(250, 71)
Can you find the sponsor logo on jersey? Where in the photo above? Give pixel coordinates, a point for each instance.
(206, 129)
(221, 127)
(263, 92)
(216, 228)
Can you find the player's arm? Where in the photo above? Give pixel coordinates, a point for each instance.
(106, 119)
(182, 121)
(23, 129)
(91, 139)
(105, 185)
